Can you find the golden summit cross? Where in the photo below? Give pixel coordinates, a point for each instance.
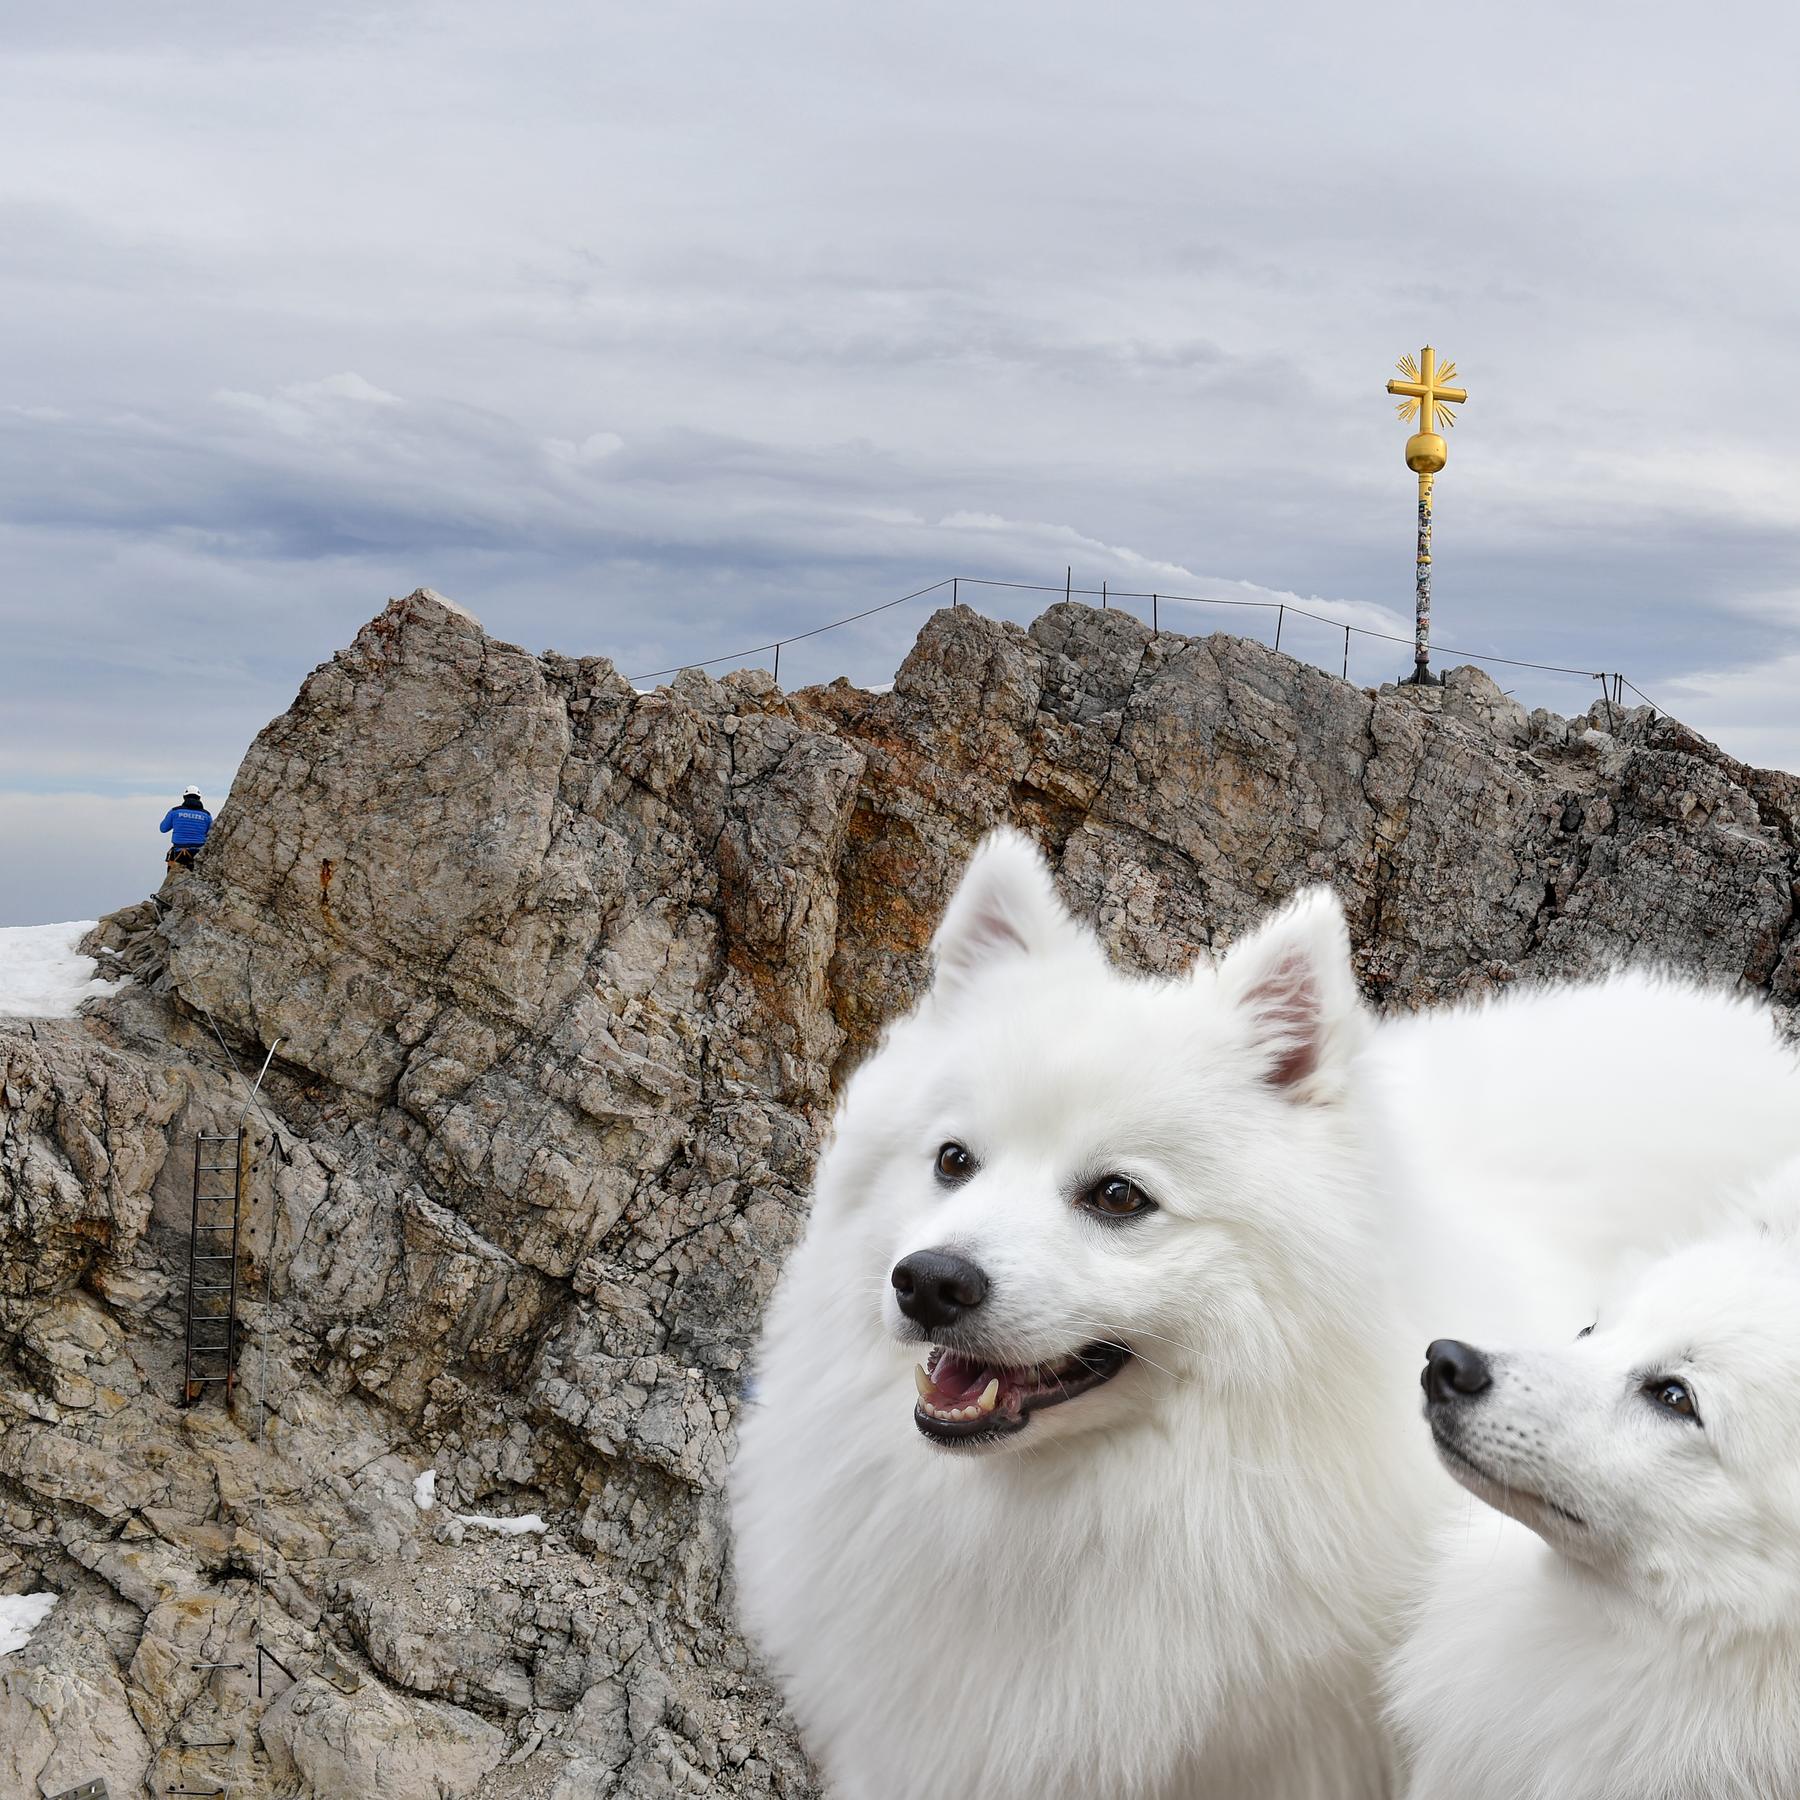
(1429, 395)
(1426, 394)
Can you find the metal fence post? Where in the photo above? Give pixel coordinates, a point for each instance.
(1346, 652)
(1280, 615)
(778, 665)
(1155, 620)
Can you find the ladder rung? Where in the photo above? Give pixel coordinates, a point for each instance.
(212, 1259)
(196, 1380)
(215, 1228)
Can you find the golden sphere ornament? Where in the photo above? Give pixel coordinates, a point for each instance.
(1426, 453)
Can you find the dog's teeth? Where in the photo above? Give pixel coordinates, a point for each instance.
(989, 1395)
(922, 1381)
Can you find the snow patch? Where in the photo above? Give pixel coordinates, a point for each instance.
(506, 1527)
(425, 1498)
(20, 1616)
(450, 605)
(42, 974)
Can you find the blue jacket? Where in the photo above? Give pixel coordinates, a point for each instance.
(190, 824)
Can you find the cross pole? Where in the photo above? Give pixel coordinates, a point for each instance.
(1426, 395)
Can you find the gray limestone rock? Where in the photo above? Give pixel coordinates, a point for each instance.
(560, 978)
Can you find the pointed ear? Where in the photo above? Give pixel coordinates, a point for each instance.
(1291, 980)
(1004, 907)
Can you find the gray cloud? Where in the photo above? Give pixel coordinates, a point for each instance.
(658, 333)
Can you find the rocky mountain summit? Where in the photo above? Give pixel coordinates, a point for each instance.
(558, 977)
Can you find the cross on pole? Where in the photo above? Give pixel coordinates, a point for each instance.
(1426, 394)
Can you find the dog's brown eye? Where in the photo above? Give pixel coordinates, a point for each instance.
(1675, 1395)
(1117, 1198)
(954, 1163)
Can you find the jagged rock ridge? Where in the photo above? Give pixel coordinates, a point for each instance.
(559, 977)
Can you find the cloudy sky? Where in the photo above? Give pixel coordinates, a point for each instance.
(658, 331)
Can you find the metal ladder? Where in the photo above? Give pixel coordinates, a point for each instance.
(213, 1263)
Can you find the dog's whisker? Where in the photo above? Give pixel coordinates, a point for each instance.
(1136, 1331)
(1161, 1368)
(1117, 1338)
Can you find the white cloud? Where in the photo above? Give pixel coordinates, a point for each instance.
(595, 447)
(1753, 712)
(308, 408)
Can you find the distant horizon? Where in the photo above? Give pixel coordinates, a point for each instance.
(658, 334)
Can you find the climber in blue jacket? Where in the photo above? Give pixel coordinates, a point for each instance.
(189, 822)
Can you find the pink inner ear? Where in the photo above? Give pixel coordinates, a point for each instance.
(989, 930)
(1286, 1005)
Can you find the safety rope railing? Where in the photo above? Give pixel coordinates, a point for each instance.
(1612, 683)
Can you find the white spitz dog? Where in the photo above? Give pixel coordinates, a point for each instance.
(1083, 1460)
(1644, 1644)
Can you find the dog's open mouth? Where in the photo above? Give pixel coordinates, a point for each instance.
(963, 1399)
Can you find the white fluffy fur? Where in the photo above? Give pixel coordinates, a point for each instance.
(1182, 1583)
(1651, 1652)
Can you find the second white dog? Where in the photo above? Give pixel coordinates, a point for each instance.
(1641, 1640)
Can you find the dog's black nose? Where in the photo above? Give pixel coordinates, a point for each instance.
(1454, 1371)
(936, 1287)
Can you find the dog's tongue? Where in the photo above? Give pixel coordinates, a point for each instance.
(957, 1382)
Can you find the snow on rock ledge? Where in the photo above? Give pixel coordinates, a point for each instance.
(20, 1616)
(42, 973)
